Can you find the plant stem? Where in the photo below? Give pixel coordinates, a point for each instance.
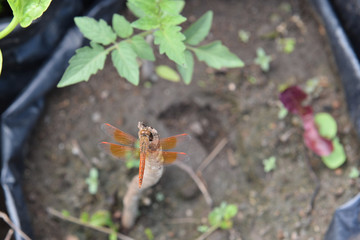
(207, 233)
(9, 28)
(13, 226)
(79, 222)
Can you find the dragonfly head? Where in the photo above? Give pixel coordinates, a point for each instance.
(149, 135)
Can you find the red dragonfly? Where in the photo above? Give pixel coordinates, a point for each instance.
(150, 146)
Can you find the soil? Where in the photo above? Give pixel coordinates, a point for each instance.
(217, 105)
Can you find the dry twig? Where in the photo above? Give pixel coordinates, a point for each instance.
(212, 155)
(109, 231)
(5, 217)
(197, 180)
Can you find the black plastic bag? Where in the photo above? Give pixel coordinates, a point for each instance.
(32, 67)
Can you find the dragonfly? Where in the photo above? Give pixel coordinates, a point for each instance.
(151, 149)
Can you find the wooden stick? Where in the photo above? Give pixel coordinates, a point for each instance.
(212, 155)
(197, 180)
(109, 231)
(13, 226)
(9, 234)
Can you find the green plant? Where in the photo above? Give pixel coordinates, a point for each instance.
(149, 234)
(262, 59)
(93, 180)
(219, 217)
(287, 44)
(244, 36)
(25, 12)
(160, 19)
(269, 164)
(167, 73)
(354, 173)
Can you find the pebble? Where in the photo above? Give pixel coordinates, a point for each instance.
(96, 117)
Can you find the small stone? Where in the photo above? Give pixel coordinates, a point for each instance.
(232, 87)
(104, 94)
(96, 117)
(196, 128)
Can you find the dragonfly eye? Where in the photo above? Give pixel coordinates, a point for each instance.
(151, 137)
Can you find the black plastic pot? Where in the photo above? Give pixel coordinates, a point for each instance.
(34, 60)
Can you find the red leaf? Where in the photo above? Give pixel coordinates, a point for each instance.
(292, 98)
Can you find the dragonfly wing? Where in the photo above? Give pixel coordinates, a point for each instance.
(170, 157)
(174, 141)
(119, 136)
(116, 150)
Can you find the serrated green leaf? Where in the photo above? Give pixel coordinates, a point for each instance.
(142, 48)
(96, 31)
(198, 31)
(326, 125)
(101, 218)
(170, 41)
(121, 26)
(269, 164)
(27, 11)
(230, 211)
(202, 228)
(84, 217)
(172, 7)
(124, 60)
(217, 56)
(262, 59)
(142, 8)
(354, 173)
(85, 62)
(167, 73)
(337, 157)
(146, 23)
(170, 20)
(186, 73)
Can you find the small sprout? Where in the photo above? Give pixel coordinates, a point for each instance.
(354, 173)
(262, 59)
(269, 164)
(287, 45)
(167, 73)
(337, 157)
(244, 36)
(202, 228)
(285, 7)
(65, 213)
(92, 181)
(149, 234)
(159, 197)
(252, 80)
(282, 112)
(84, 217)
(311, 85)
(221, 216)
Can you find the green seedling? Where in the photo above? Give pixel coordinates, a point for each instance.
(269, 164)
(219, 217)
(93, 180)
(161, 20)
(262, 59)
(167, 73)
(252, 80)
(311, 85)
(244, 36)
(354, 173)
(149, 234)
(287, 45)
(282, 112)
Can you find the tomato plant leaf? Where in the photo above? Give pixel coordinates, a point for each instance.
(96, 31)
(337, 157)
(172, 7)
(121, 26)
(142, 48)
(142, 8)
(326, 125)
(124, 60)
(27, 11)
(85, 62)
(217, 56)
(171, 20)
(186, 73)
(198, 31)
(167, 73)
(170, 41)
(146, 23)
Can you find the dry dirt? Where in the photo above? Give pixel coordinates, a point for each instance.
(216, 105)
